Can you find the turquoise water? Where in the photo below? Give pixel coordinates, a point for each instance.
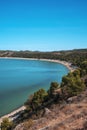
(20, 78)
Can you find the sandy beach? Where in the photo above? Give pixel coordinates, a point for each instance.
(67, 64)
(13, 114)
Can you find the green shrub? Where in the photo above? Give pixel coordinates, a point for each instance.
(6, 124)
(54, 86)
(72, 84)
(37, 100)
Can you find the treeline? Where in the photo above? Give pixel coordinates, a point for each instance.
(73, 56)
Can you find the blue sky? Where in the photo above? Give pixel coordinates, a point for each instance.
(45, 25)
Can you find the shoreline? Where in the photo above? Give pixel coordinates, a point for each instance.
(67, 64)
(14, 114)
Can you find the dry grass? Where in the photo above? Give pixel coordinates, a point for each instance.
(71, 116)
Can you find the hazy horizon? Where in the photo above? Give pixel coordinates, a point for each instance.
(49, 25)
(44, 50)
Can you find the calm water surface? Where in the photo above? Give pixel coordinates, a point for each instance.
(20, 78)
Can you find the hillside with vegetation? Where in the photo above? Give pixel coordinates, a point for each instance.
(63, 106)
(73, 56)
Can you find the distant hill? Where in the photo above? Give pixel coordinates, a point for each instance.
(74, 56)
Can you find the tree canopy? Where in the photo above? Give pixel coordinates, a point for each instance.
(72, 84)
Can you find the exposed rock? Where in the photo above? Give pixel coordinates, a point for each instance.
(71, 99)
(46, 111)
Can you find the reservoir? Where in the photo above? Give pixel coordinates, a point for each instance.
(20, 78)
